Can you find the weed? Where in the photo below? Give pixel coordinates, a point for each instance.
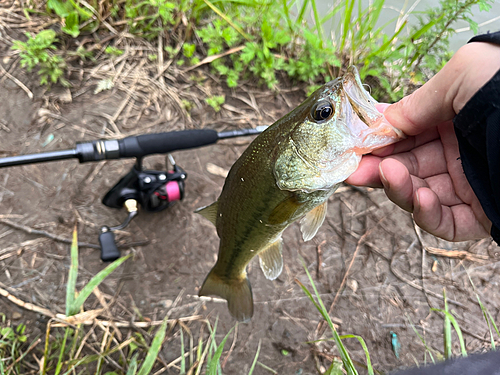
(36, 52)
(215, 102)
(113, 51)
(272, 37)
(147, 18)
(188, 50)
(12, 341)
(61, 352)
(434, 29)
(71, 14)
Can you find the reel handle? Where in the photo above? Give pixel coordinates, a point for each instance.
(109, 251)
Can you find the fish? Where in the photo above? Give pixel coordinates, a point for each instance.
(287, 173)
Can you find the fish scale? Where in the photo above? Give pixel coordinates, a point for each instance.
(288, 172)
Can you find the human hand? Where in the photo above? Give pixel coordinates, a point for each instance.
(423, 173)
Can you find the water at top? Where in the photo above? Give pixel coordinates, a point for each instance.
(488, 21)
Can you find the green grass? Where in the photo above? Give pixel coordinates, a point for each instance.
(61, 350)
(347, 362)
(274, 36)
(449, 320)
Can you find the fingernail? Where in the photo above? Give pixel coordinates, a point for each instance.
(382, 178)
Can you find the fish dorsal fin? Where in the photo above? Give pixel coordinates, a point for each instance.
(310, 223)
(209, 212)
(284, 211)
(271, 259)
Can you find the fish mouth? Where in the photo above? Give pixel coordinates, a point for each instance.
(364, 114)
(361, 101)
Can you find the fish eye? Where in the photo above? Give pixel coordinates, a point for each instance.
(322, 111)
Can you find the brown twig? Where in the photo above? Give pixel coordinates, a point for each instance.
(17, 82)
(209, 59)
(460, 254)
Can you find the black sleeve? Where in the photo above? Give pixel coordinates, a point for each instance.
(476, 364)
(477, 127)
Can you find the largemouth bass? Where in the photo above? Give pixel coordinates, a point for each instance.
(286, 173)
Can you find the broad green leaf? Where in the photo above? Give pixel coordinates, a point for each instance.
(71, 25)
(61, 8)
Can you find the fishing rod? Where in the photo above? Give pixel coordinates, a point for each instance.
(153, 190)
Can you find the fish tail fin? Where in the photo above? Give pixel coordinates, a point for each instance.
(237, 293)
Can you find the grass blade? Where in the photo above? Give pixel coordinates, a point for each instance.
(228, 20)
(374, 14)
(335, 368)
(384, 46)
(213, 365)
(487, 316)
(447, 329)
(92, 284)
(457, 329)
(423, 340)
(319, 27)
(344, 355)
(255, 359)
(347, 21)
(365, 348)
(331, 13)
(183, 359)
(417, 34)
(132, 367)
(286, 11)
(154, 349)
(73, 273)
(302, 12)
(62, 350)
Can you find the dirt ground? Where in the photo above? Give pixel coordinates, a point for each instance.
(367, 259)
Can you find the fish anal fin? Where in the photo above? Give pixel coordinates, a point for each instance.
(209, 212)
(284, 211)
(310, 223)
(271, 259)
(237, 293)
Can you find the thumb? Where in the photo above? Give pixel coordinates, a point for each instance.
(428, 106)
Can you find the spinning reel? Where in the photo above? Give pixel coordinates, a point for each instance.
(152, 190)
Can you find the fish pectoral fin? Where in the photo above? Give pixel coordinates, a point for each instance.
(237, 293)
(310, 223)
(271, 259)
(209, 212)
(284, 211)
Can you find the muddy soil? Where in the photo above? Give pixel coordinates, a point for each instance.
(390, 280)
